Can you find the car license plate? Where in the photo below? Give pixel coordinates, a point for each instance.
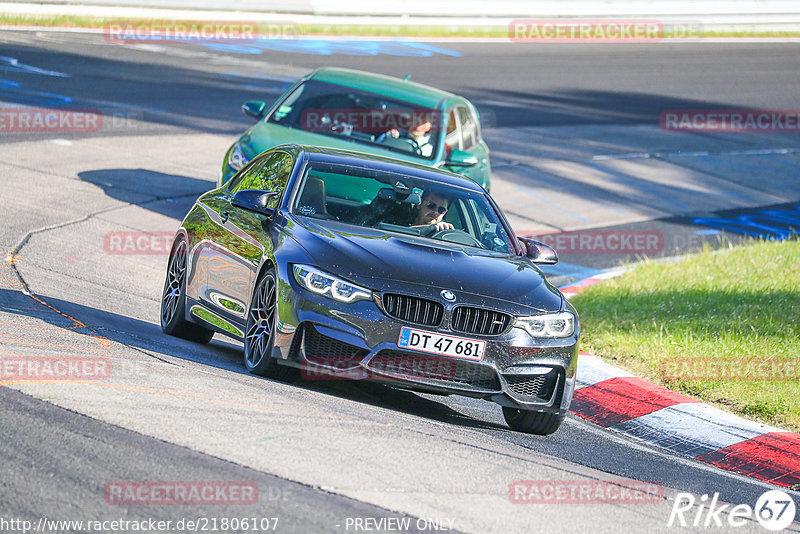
(457, 347)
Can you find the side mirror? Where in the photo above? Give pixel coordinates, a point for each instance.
(254, 108)
(459, 158)
(538, 252)
(254, 200)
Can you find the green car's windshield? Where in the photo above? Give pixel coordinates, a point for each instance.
(398, 203)
(361, 116)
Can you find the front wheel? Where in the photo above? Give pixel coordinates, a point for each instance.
(173, 299)
(539, 423)
(259, 336)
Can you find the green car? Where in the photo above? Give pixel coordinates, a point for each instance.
(368, 113)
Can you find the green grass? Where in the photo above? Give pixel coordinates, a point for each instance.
(733, 309)
(291, 30)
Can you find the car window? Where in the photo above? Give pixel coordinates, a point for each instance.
(362, 117)
(456, 215)
(452, 137)
(488, 228)
(392, 202)
(344, 188)
(469, 133)
(269, 173)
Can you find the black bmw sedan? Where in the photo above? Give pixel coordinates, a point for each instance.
(334, 264)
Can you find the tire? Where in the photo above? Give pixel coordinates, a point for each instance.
(259, 336)
(173, 299)
(539, 423)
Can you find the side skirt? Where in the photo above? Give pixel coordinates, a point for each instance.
(197, 313)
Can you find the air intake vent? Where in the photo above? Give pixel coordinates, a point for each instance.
(324, 350)
(479, 321)
(413, 309)
(539, 386)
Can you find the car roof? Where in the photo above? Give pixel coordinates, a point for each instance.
(359, 159)
(396, 88)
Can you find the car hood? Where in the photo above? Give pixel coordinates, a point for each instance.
(264, 136)
(383, 261)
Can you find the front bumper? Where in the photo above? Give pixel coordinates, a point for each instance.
(359, 341)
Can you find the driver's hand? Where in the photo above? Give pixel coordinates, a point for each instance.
(443, 226)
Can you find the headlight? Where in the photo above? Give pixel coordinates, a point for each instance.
(236, 158)
(322, 283)
(550, 325)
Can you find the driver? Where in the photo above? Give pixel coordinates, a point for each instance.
(431, 211)
(420, 133)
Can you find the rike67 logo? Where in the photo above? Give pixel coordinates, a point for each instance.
(774, 510)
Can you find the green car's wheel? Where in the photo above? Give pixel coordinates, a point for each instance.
(173, 299)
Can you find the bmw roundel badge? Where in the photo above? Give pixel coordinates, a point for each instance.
(449, 296)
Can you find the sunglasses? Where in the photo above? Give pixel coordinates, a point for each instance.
(433, 206)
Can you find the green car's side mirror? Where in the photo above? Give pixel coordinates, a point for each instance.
(254, 108)
(459, 158)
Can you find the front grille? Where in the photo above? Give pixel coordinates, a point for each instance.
(415, 366)
(540, 386)
(413, 309)
(324, 350)
(479, 321)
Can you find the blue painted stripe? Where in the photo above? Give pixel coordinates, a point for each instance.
(328, 47)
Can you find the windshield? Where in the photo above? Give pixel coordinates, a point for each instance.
(360, 116)
(397, 203)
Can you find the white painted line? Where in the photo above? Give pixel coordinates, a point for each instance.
(13, 64)
(609, 274)
(631, 155)
(692, 429)
(592, 370)
(620, 438)
(708, 414)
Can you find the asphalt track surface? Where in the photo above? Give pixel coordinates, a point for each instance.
(557, 118)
